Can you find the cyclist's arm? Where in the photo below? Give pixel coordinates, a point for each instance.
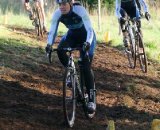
(144, 5)
(81, 11)
(26, 5)
(54, 27)
(138, 4)
(117, 10)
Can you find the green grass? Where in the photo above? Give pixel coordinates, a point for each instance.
(10, 37)
(19, 50)
(151, 31)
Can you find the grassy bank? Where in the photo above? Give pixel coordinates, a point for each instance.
(109, 24)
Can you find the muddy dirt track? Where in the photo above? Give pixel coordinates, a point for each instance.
(31, 91)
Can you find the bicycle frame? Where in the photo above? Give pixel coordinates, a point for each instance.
(71, 65)
(77, 89)
(80, 82)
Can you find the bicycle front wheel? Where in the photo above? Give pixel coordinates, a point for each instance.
(142, 55)
(131, 53)
(69, 100)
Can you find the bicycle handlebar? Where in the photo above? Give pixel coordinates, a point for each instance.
(68, 49)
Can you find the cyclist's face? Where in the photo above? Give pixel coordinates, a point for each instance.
(64, 7)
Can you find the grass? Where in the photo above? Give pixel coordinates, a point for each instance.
(109, 24)
(10, 41)
(17, 51)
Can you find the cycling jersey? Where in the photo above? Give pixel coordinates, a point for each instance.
(130, 6)
(77, 21)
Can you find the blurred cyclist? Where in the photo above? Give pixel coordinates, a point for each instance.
(29, 9)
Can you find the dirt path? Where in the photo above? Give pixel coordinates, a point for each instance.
(31, 92)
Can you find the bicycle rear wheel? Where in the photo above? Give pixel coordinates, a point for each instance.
(69, 100)
(142, 55)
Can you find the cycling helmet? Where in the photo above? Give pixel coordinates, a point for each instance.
(63, 1)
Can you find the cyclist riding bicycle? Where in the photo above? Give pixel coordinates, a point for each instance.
(132, 8)
(29, 10)
(80, 34)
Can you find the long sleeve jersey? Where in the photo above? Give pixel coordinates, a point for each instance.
(76, 20)
(132, 3)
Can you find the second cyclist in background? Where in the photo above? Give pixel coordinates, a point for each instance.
(28, 8)
(131, 8)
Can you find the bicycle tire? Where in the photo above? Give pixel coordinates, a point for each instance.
(142, 56)
(40, 22)
(131, 52)
(69, 103)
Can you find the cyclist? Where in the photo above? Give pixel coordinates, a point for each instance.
(131, 8)
(29, 9)
(80, 34)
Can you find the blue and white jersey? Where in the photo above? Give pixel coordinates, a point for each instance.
(77, 20)
(129, 3)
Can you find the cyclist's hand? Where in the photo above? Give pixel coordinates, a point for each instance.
(48, 48)
(86, 46)
(147, 16)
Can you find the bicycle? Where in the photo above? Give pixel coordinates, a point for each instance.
(74, 90)
(38, 20)
(136, 47)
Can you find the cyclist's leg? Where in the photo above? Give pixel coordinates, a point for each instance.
(123, 27)
(43, 14)
(139, 27)
(138, 17)
(89, 77)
